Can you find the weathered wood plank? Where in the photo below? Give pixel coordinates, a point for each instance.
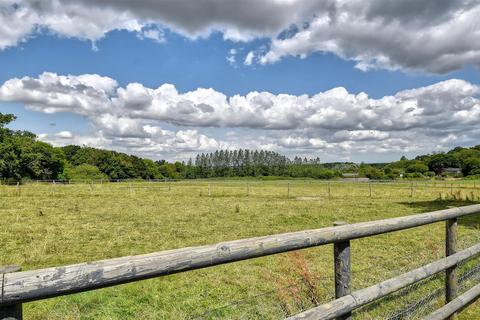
(341, 306)
(451, 283)
(342, 269)
(13, 311)
(50, 282)
(456, 304)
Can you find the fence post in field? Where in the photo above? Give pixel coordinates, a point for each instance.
(342, 268)
(248, 189)
(328, 188)
(288, 189)
(14, 311)
(169, 186)
(209, 190)
(451, 281)
(18, 188)
(411, 189)
(370, 188)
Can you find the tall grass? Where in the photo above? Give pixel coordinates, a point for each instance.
(47, 225)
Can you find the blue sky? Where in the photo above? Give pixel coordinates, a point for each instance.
(188, 62)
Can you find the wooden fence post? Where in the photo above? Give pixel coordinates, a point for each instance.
(248, 189)
(14, 311)
(451, 281)
(411, 189)
(328, 187)
(18, 188)
(342, 268)
(209, 190)
(288, 189)
(370, 188)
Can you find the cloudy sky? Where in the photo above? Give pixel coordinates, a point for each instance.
(357, 80)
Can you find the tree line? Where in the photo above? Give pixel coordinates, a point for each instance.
(23, 157)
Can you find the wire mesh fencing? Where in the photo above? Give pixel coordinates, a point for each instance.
(412, 302)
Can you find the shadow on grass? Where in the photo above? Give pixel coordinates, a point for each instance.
(471, 221)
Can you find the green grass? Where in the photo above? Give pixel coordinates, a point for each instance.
(49, 225)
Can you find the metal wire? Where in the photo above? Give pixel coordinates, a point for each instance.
(420, 305)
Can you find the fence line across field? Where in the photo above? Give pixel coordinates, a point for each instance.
(254, 180)
(25, 286)
(293, 189)
(289, 183)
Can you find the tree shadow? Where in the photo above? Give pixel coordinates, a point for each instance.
(471, 221)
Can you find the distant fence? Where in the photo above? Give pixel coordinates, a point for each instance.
(373, 188)
(19, 287)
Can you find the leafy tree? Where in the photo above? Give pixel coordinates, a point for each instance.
(371, 172)
(22, 156)
(83, 172)
(471, 166)
(417, 168)
(438, 162)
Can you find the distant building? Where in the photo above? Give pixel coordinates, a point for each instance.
(353, 177)
(349, 175)
(454, 171)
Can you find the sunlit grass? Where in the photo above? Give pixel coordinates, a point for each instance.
(48, 225)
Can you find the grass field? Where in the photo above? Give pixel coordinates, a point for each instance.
(47, 225)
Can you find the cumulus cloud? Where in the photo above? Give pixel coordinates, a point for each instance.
(135, 116)
(249, 58)
(64, 135)
(154, 34)
(84, 94)
(91, 20)
(154, 142)
(231, 57)
(428, 35)
(436, 36)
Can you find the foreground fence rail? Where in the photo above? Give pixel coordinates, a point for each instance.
(25, 286)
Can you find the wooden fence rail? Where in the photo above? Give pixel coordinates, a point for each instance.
(19, 287)
(456, 304)
(361, 297)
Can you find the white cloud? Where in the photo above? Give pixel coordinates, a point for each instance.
(249, 58)
(134, 117)
(64, 135)
(231, 57)
(426, 35)
(154, 34)
(84, 94)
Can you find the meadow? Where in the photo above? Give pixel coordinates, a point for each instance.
(44, 224)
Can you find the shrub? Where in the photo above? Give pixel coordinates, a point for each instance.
(83, 172)
(373, 173)
(417, 168)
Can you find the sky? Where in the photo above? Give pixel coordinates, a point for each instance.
(343, 80)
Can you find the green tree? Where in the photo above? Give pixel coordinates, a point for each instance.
(22, 156)
(83, 172)
(417, 168)
(471, 166)
(438, 162)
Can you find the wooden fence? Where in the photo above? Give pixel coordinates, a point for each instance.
(19, 287)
